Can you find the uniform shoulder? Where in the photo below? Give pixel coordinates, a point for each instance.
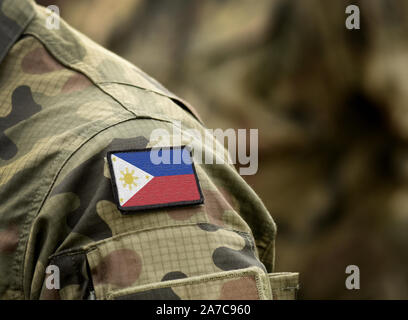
(108, 71)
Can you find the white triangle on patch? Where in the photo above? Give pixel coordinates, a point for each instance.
(129, 179)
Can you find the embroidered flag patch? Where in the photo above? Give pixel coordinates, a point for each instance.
(154, 178)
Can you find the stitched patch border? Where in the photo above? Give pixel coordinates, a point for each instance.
(128, 209)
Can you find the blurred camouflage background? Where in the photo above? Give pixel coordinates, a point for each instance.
(331, 106)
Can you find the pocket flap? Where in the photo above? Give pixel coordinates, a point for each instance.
(244, 284)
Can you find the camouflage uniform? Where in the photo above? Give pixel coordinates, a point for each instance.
(64, 103)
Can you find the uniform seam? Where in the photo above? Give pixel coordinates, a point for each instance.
(95, 245)
(50, 48)
(99, 84)
(27, 225)
(68, 66)
(81, 66)
(187, 108)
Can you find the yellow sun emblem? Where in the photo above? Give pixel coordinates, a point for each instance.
(128, 179)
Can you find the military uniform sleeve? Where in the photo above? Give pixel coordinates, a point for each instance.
(205, 251)
(62, 236)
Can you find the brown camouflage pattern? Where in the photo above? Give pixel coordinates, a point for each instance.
(64, 103)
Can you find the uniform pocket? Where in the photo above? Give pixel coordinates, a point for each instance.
(244, 284)
(193, 261)
(156, 256)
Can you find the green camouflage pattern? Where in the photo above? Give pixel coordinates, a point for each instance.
(64, 103)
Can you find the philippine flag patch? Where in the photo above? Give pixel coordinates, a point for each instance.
(154, 178)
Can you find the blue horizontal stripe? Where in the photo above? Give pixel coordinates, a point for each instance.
(142, 160)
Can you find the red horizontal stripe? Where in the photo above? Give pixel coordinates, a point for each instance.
(166, 189)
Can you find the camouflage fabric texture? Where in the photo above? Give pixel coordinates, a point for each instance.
(64, 103)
